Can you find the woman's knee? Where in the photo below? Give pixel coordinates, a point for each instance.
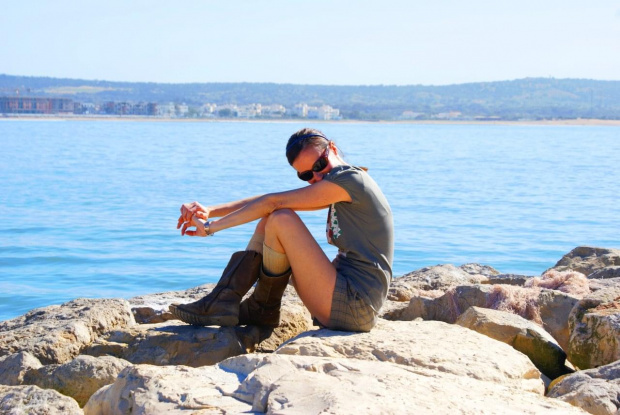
(279, 218)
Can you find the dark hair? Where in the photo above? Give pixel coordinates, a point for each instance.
(302, 139)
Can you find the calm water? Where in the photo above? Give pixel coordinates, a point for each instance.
(89, 209)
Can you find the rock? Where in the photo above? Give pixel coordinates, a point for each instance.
(406, 343)
(56, 334)
(79, 378)
(146, 390)
(176, 343)
(439, 277)
(523, 335)
(586, 259)
(594, 325)
(389, 370)
(17, 400)
(479, 270)
(153, 308)
(14, 366)
(555, 308)
(605, 273)
(595, 390)
(603, 284)
(509, 279)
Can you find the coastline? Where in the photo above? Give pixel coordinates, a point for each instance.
(67, 117)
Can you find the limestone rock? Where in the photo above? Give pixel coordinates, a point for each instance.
(18, 400)
(147, 390)
(509, 279)
(176, 343)
(555, 308)
(79, 378)
(389, 370)
(525, 336)
(605, 273)
(586, 259)
(439, 277)
(457, 350)
(14, 366)
(56, 334)
(595, 390)
(603, 284)
(594, 325)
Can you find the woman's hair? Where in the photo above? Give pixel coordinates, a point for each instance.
(302, 139)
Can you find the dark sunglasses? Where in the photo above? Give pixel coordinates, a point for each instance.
(318, 166)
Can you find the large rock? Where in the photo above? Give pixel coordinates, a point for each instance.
(555, 308)
(594, 325)
(14, 366)
(605, 273)
(389, 370)
(595, 390)
(79, 378)
(176, 343)
(437, 278)
(147, 390)
(525, 336)
(586, 259)
(550, 308)
(56, 334)
(18, 400)
(457, 351)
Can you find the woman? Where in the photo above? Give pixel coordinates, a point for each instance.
(343, 294)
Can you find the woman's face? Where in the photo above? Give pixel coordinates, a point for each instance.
(310, 158)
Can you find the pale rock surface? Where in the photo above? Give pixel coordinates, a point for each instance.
(32, 400)
(79, 378)
(586, 259)
(56, 334)
(555, 308)
(523, 335)
(552, 307)
(345, 373)
(594, 325)
(455, 350)
(148, 390)
(595, 390)
(605, 273)
(14, 366)
(509, 279)
(176, 343)
(603, 284)
(438, 277)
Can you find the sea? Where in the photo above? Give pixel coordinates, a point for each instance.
(89, 208)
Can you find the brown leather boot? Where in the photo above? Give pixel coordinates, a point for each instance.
(262, 308)
(221, 306)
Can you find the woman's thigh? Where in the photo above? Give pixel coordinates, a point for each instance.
(313, 273)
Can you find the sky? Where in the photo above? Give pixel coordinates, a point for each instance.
(318, 42)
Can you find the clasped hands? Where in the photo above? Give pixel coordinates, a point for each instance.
(193, 215)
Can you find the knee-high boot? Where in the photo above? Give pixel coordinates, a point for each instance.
(221, 306)
(262, 308)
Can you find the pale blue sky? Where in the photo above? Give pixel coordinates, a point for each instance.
(334, 42)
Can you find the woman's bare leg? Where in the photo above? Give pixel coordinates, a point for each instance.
(313, 273)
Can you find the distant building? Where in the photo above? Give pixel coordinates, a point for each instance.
(25, 105)
(300, 110)
(249, 111)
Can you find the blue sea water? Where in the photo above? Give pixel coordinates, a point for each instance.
(89, 208)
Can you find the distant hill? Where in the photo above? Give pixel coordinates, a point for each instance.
(529, 98)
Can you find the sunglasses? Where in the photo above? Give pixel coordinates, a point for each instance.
(318, 166)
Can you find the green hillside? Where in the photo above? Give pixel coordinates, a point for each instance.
(530, 98)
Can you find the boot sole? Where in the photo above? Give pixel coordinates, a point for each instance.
(199, 320)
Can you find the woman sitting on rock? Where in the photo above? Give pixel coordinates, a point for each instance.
(343, 294)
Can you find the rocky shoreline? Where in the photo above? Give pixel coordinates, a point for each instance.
(451, 339)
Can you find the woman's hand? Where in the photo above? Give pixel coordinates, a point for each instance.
(199, 224)
(190, 209)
